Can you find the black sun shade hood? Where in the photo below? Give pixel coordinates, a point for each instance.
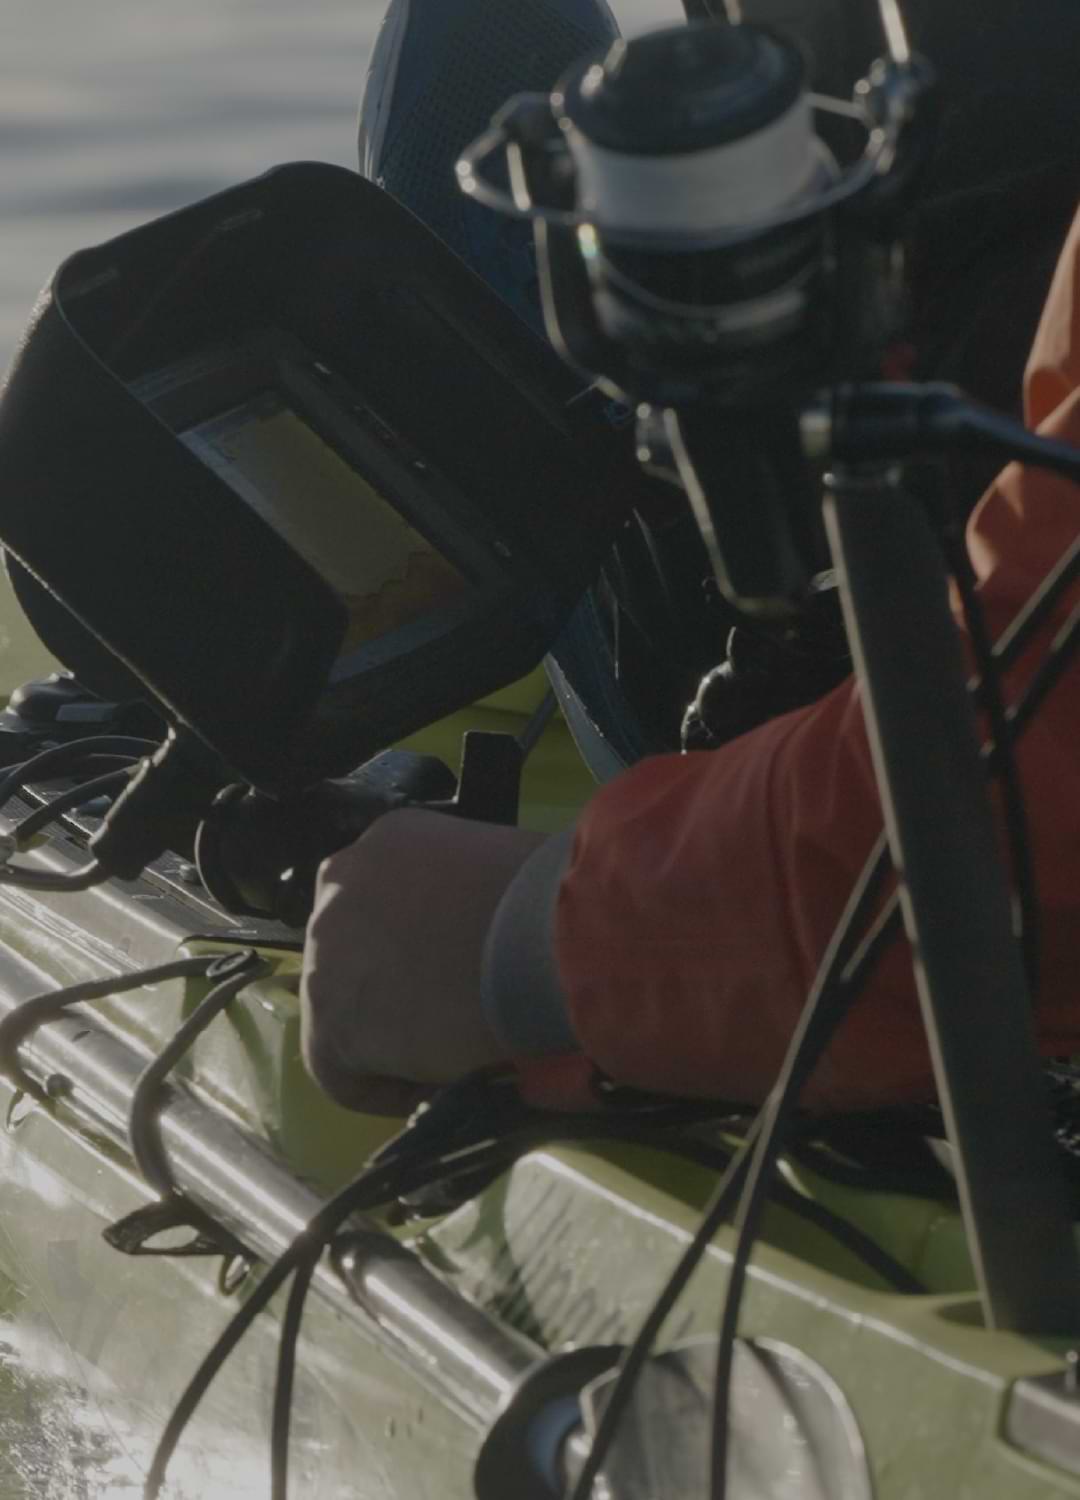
(310, 288)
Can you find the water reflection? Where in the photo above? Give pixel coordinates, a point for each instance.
(68, 1440)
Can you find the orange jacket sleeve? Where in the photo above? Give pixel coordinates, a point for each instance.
(704, 888)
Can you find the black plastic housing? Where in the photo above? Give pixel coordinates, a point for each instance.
(218, 618)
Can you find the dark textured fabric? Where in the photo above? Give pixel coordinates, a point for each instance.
(1001, 188)
(998, 195)
(461, 63)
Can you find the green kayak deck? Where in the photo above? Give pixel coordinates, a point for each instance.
(567, 1248)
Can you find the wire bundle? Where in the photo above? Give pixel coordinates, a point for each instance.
(408, 1168)
(111, 757)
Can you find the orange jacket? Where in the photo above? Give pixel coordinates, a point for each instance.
(703, 888)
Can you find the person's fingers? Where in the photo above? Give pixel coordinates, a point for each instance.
(391, 977)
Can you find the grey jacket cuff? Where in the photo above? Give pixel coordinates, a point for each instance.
(521, 992)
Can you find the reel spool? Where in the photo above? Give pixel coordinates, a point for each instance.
(697, 239)
(700, 131)
(703, 253)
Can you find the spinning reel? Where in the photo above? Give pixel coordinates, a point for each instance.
(706, 259)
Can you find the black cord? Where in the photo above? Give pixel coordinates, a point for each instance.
(891, 420)
(1060, 653)
(637, 1353)
(990, 698)
(18, 1024)
(61, 759)
(72, 882)
(867, 891)
(233, 972)
(75, 796)
(883, 1151)
(844, 971)
(281, 1420)
(374, 1186)
(1017, 636)
(825, 1008)
(849, 1236)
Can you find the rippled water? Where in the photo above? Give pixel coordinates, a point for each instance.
(114, 111)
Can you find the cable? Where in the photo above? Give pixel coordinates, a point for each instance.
(849, 1236)
(404, 1172)
(232, 973)
(867, 890)
(844, 971)
(45, 880)
(379, 1183)
(879, 1151)
(75, 796)
(637, 1353)
(1060, 653)
(990, 699)
(860, 964)
(1017, 636)
(803, 1054)
(18, 1024)
(281, 1419)
(373, 1187)
(59, 760)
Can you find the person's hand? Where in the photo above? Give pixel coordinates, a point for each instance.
(390, 991)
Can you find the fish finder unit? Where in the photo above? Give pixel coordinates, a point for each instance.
(283, 463)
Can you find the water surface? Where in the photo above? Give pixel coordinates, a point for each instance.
(114, 111)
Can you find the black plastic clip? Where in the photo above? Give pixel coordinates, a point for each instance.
(229, 965)
(133, 1234)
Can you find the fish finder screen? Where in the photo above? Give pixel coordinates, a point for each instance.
(384, 572)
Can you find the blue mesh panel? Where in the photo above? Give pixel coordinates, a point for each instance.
(459, 65)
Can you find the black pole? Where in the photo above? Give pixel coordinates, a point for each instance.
(955, 899)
